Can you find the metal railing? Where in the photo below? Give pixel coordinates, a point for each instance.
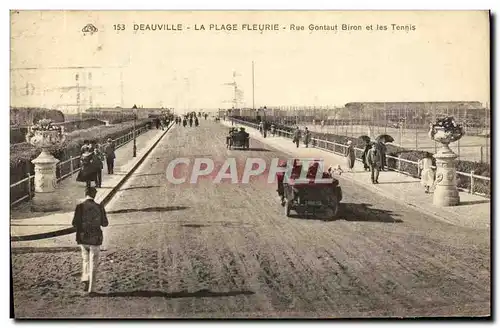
(71, 165)
(334, 146)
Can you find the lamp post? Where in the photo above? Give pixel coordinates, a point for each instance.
(134, 133)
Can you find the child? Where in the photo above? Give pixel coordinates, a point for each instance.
(427, 174)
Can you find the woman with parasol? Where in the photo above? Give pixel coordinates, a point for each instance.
(381, 141)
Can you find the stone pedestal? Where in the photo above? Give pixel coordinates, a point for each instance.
(45, 183)
(446, 192)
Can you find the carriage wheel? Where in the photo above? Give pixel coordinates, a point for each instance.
(334, 207)
(287, 208)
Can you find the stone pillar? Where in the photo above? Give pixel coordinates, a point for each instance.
(446, 191)
(45, 183)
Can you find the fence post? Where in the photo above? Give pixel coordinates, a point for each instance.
(418, 170)
(29, 186)
(481, 151)
(71, 165)
(471, 190)
(399, 164)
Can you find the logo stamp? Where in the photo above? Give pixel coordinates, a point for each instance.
(89, 29)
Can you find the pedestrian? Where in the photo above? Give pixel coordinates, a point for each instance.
(86, 147)
(190, 121)
(375, 162)
(88, 219)
(109, 152)
(87, 172)
(97, 161)
(428, 176)
(296, 136)
(364, 156)
(273, 129)
(350, 155)
(157, 123)
(196, 122)
(307, 137)
(382, 148)
(184, 122)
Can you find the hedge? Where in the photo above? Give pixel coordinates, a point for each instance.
(22, 154)
(111, 117)
(20, 116)
(483, 169)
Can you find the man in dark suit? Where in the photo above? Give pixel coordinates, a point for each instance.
(88, 219)
(109, 151)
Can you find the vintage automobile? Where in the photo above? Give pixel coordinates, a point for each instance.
(308, 195)
(238, 139)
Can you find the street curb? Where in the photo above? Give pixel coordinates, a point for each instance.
(384, 193)
(133, 169)
(103, 202)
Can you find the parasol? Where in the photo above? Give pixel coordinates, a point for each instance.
(385, 138)
(366, 139)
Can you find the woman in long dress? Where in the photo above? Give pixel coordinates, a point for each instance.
(368, 146)
(351, 155)
(428, 175)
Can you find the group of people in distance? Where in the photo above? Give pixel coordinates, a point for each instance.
(188, 119)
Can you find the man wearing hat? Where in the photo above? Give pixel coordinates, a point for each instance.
(109, 151)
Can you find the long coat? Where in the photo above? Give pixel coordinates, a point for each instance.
(90, 166)
(307, 137)
(351, 156)
(427, 174)
(374, 157)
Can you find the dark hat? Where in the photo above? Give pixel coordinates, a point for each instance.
(91, 192)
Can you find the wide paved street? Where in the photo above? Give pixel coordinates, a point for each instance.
(228, 250)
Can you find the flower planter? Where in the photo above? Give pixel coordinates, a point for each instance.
(446, 131)
(45, 136)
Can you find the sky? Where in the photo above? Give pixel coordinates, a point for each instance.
(446, 58)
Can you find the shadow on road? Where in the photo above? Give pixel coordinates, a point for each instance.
(474, 202)
(148, 174)
(149, 209)
(354, 212)
(259, 149)
(183, 294)
(365, 212)
(139, 187)
(398, 182)
(29, 250)
(194, 225)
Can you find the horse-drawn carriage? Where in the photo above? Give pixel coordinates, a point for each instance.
(238, 139)
(309, 195)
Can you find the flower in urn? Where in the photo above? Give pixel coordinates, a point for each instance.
(445, 130)
(44, 134)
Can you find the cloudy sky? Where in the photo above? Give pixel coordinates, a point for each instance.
(445, 58)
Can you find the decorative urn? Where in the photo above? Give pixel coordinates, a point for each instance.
(44, 135)
(446, 131)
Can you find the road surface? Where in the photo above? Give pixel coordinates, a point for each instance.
(227, 250)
